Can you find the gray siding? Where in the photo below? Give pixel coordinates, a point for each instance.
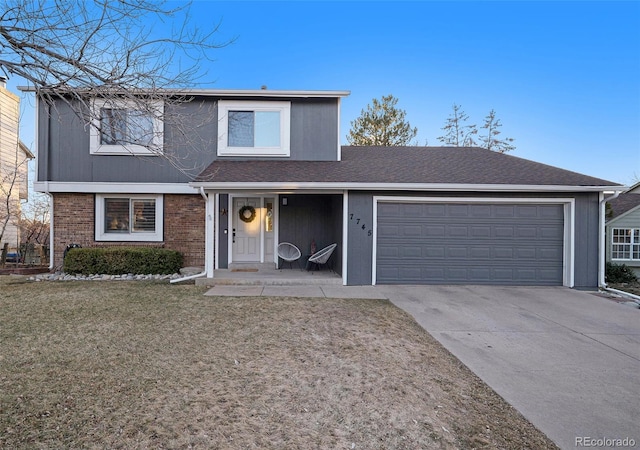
(314, 130)
(586, 241)
(222, 238)
(360, 241)
(630, 220)
(312, 217)
(190, 134)
(586, 238)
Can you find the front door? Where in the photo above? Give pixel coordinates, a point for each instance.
(246, 229)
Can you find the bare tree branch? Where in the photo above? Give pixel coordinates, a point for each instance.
(132, 51)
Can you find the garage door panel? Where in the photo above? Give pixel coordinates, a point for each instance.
(511, 244)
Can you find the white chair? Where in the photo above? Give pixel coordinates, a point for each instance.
(289, 252)
(321, 257)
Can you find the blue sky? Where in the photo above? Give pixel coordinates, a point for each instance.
(563, 77)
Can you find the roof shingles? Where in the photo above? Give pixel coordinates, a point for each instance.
(411, 165)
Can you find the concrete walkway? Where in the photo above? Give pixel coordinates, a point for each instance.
(568, 360)
(326, 291)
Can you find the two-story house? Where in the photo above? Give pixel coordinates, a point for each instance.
(14, 157)
(267, 167)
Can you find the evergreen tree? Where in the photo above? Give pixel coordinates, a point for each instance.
(381, 124)
(490, 140)
(457, 132)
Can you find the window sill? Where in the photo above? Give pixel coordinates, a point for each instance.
(121, 150)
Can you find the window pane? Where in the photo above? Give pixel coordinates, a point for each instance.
(125, 126)
(140, 128)
(241, 129)
(622, 235)
(112, 126)
(116, 214)
(267, 128)
(144, 216)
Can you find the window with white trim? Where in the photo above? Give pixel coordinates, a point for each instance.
(625, 244)
(126, 128)
(247, 128)
(129, 217)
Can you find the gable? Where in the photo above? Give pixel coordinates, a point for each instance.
(621, 205)
(630, 219)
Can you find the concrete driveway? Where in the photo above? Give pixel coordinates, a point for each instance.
(568, 360)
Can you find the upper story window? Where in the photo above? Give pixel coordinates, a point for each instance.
(625, 243)
(126, 128)
(248, 128)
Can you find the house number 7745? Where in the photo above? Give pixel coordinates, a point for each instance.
(363, 227)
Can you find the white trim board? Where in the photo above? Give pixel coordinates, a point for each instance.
(114, 188)
(340, 186)
(568, 276)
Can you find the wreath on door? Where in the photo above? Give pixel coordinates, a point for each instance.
(247, 213)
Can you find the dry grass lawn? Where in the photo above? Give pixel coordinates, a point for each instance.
(149, 365)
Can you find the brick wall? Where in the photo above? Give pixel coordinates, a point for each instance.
(74, 217)
(184, 227)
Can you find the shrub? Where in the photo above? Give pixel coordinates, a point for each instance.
(120, 260)
(619, 273)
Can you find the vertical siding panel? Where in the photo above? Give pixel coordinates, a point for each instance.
(586, 240)
(360, 262)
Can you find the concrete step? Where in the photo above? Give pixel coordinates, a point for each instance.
(273, 277)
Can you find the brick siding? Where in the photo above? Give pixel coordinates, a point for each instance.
(74, 217)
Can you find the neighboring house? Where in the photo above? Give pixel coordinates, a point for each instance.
(410, 215)
(623, 229)
(14, 157)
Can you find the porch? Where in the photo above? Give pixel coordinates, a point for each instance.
(267, 275)
(249, 227)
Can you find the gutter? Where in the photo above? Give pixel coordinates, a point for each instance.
(602, 284)
(204, 273)
(285, 186)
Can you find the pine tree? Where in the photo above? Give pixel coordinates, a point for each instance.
(490, 141)
(457, 132)
(382, 124)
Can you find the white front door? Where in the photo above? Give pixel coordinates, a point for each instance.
(246, 230)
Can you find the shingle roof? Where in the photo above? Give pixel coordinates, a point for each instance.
(622, 204)
(412, 165)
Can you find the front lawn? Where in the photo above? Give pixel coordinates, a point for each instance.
(152, 365)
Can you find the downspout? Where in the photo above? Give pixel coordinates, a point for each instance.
(46, 176)
(51, 241)
(602, 284)
(206, 217)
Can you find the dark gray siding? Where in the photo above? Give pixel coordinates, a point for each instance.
(190, 135)
(586, 241)
(222, 238)
(312, 217)
(360, 241)
(314, 130)
(470, 243)
(586, 232)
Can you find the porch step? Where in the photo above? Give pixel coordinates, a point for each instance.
(271, 277)
(251, 267)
